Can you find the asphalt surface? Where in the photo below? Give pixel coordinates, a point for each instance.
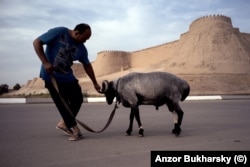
(29, 138)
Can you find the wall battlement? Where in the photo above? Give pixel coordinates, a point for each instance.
(113, 52)
(215, 17)
(209, 18)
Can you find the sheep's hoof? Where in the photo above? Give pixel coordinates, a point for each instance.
(176, 131)
(128, 133)
(141, 131)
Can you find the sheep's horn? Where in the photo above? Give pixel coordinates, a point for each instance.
(104, 86)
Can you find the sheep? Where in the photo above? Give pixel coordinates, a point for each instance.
(153, 88)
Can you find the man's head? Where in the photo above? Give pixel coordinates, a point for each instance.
(82, 32)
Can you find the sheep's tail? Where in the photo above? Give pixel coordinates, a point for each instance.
(185, 89)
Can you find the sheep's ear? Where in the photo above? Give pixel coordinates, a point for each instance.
(105, 85)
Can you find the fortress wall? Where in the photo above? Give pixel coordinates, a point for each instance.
(28, 83)
(209, 46)
(39, 83)
(246, 37)
(32, 83)
(152, 55)
(78, 70)
(109, 62)
(212, 45)
(208, 22)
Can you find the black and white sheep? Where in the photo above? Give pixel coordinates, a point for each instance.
(154, 88)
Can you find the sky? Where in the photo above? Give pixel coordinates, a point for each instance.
(125, 25)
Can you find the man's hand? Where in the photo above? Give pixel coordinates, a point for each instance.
(97, 88)
(48, 67)
(90, 72)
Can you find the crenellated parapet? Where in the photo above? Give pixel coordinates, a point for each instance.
(209, 19)
(113, 52)
(214, 16)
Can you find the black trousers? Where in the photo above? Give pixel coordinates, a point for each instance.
(72, 94)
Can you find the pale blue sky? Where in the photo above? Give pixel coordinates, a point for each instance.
(127, 25)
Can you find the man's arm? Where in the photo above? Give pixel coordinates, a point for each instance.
(90, 72)
(38, 46)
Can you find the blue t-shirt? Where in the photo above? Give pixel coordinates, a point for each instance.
(61, 51)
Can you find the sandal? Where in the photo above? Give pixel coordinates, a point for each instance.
(75, 137)
(65, 130)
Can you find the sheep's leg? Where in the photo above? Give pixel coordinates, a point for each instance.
(131, 118)
(178, 115)
(137, 117)
(172, 108)
(177, 128)
(175, 117)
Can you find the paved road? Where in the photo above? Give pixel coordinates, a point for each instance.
(28, 136)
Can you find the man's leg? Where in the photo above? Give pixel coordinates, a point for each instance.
(73, 93)
(75, 97)
(67, 118)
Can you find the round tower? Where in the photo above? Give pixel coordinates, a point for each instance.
(109, 62)
(208, 22)
(212, 45)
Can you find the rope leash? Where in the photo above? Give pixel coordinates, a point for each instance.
(53, 80)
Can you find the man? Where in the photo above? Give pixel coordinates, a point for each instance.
(63, 47)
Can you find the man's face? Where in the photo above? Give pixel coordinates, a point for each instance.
(82, 38)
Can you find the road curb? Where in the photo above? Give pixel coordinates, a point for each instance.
(102, 99)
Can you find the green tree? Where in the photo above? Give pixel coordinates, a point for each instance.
(17, 87)
(4, 88)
